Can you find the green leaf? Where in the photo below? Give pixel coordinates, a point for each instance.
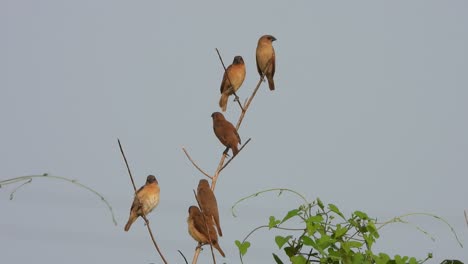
(299, 259)
(290, 251)
(357, 258)
(340, 231)
(361, 215)
(242, 246)
(315, 219)
(448, 261)
(345, 247)
(312, 228)
(324, 242)
(369, 240)
(280, 241)
(400, 260)
(277, 259)
(290, 214)
(308, 241)
(320, 204)
(355, 244)
(273, 222)
(335, 209)
(382, 258)
(372, 229)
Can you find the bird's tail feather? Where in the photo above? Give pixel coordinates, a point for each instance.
(218, 227)
(235, 150)
(223, 101)
(131, 220)
(216, 245)
(271, 83)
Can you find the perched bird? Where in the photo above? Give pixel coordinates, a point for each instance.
(148, 196)
(208, 203)
(199, 231)
(232, 80)
(225, 132)
(266, 53)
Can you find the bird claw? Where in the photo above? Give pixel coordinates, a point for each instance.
(226, 152)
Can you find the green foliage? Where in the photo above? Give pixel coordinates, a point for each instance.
(242, 246)
(326, 235)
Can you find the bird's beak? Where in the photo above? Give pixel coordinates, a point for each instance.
(273, 38)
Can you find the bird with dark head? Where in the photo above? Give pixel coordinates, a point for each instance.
(201, 228)
(208, 203)
(226, 132)
(266, 56)
(232, 80)
(146, 199)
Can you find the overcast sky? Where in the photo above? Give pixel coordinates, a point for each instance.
(369, 113)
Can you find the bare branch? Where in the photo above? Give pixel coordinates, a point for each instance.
(128, 167)
(224, 166)
(221, 164)
(249, 101)
(194, 164)
(180, 252)
(466, 218)
(139, 204)
(239, 122)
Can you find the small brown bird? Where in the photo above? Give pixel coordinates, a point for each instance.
(236, 74)
(198, 230)
(208, 203)
(226, 132)
(265, 53)
(148, 195)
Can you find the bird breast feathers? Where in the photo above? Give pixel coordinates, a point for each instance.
(198, 236)
(236, 76)
(150, 194)
(265, 51)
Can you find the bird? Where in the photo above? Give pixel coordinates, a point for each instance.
(266, 53)
(232, 80)
(200, 226)
(226, 132)
(208, 203)
(148, 196)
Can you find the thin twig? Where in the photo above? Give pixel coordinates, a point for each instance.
(265, 191)
(180, 252)
(128, 167)
(224, 166)
(249, 101)
(218, 170)
(466, 218)
(207, 229)
(225, 71)
(194, 164)
(46, 175)
(12, 194)
(398, 219)
(139, 204)
(197, 253)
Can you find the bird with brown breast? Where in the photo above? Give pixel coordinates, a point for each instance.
(201, 228)
(226, 132)
(146, 199)
(266, 56)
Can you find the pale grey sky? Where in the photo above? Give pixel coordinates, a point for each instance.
(370, 113)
